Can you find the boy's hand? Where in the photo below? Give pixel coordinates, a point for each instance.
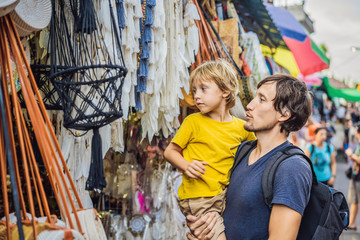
(196, 169)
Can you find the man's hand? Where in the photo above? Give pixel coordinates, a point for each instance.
(195, 169)
(202, 229)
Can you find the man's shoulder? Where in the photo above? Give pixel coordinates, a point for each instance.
(296, 165)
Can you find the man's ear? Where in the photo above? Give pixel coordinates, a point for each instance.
(285, 115)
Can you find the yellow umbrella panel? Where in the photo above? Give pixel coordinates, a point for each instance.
(282, 57)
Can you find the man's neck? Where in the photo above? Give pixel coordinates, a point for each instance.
(266, 141)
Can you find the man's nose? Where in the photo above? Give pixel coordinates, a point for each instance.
(250, 105)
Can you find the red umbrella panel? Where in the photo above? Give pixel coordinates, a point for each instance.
(308, 56)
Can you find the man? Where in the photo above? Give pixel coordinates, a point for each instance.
(282, 104)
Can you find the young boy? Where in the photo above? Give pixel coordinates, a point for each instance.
(208, 141)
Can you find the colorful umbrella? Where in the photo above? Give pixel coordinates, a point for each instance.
(349, 94)
(311, 79)
(309, 58)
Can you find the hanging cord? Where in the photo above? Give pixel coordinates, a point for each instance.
(240, 72)
(43, 130)
(210, 6)
(11, 166)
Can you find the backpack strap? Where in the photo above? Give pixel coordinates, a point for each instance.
(328, 148)
(242, 151)
(268, 177)
(312, 149)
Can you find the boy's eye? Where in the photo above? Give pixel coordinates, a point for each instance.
(203, 88)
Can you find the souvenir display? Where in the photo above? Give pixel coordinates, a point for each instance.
(31, 15)
(31, 195)
(7, 6)
(120, 68)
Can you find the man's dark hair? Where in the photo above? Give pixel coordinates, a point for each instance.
(291, 95)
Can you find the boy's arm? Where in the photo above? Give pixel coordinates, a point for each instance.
(193, 169)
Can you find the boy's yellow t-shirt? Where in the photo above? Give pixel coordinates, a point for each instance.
(214, 142)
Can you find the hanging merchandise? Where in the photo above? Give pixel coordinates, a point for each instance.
(31, 15)
(50, 96)
(251, 61)
(174, 72)
(131, 49)
(152, 115)
(9, 158)
(40, 66)
(143, 57)
(210, 6)
(253, 56)
(229, 33)
(7, 6)
(31, 193)
(191, 31)
(87, 77)
(254, 61)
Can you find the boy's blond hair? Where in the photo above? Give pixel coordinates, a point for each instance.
(220, 72)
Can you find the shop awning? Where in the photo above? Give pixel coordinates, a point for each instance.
(349, 94)
(308, 57)
(254, 17)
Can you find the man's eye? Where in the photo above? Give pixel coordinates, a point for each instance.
(262, 99)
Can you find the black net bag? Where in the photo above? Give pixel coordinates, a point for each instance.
(86, 75)
(49, 95)
(90, 103)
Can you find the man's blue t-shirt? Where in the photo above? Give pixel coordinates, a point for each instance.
(246, 215)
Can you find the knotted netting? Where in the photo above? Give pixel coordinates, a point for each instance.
(87, 70)
(87, 76)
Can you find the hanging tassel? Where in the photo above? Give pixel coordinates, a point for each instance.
(85, 19)
(120, 13)
(96, 179)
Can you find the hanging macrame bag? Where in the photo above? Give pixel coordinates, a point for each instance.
(87, 75)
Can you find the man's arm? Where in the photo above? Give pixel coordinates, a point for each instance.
(284, 223)
(292, 187)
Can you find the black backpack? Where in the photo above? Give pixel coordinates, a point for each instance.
(326, 214)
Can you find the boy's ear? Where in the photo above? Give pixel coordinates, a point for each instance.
(226, 94)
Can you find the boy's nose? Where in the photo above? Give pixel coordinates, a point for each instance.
(196, 94)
